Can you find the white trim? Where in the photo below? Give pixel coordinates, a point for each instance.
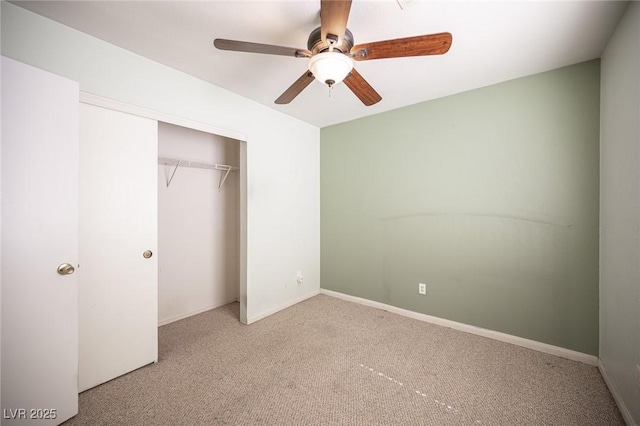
(196, 312)
(626, 414)
(91, 99)
(495, 335)
(265, 314)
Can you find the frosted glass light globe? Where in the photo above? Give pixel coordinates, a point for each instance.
(330, 67)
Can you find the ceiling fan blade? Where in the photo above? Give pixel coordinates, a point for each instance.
(333, 18)
(361, 88)
(295, 89)
(245, 46)
(432, 44)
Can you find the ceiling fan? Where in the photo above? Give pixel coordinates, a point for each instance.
(331, 52)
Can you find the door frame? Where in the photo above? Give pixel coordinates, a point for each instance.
(91, 99)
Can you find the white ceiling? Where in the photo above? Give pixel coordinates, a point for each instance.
(492, 42)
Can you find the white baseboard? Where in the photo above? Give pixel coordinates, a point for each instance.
(496, 335)
(626, 414)
(175, 318)
(279, 308)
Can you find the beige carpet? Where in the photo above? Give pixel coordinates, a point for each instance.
(330, 362)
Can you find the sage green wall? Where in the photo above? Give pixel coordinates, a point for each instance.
(620, 214)
(490, 197)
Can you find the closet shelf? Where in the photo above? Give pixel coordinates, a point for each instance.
(169, 161)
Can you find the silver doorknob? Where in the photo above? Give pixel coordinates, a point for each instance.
(66, 269)
(147, 254)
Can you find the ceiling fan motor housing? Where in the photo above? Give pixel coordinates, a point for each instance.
(316, 45)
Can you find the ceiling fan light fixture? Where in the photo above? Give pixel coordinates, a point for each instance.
(330, 67)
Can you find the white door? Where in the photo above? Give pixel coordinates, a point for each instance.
(39, 232)
(118, 294)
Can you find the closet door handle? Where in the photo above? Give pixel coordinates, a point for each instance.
(147, 254)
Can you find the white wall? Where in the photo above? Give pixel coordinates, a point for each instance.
(620, 213)
(198, 225)
(283, 201)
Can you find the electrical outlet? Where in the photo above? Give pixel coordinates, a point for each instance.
(299, 278)
(422, 288)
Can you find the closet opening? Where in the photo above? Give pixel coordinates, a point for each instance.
(201, 217)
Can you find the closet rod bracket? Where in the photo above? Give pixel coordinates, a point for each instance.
(173, 174)
(223, 178)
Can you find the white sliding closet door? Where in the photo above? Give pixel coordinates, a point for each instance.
(118, 296)
(39, 232)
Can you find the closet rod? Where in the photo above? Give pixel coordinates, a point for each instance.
(169, 161)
